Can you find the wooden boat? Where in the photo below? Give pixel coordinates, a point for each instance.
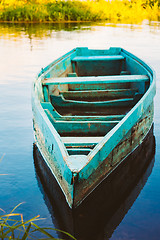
(91, 109)
(108, 203)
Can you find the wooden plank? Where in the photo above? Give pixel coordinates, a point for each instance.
(81, 141)
(73, 74)
(45, 92)
(95, 95)
(100, 86)
(57, 116)
(92, 118)
(103, 111)
(78, 151)
(82, 128)
(98, 58)
(48, 105)
(60, 102)
(96, 80)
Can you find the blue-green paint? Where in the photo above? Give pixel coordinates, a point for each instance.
(72, 128)
(95, 95)
(59, 101)
(74, 160)
(98, 58)
(97, 80)
(48, 106)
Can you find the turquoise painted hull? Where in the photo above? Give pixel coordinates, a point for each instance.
(91, 109)
(110, 200)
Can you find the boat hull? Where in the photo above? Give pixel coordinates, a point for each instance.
(79, 175)
(126, 146)
(81, 189)
(111, 199)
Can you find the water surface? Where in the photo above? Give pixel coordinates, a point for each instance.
(25, 49)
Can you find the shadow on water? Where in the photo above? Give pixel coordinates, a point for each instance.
(99, 215)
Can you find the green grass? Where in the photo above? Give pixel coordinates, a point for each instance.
(13, 226)
(75, 10)
(49, 12)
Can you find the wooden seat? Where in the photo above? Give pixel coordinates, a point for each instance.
(98, 58)
(96, 80)
(88, 142)
(57, 116)
(118, 106)
(80, 145)
(82, 128)
(99, 95)
(98, 65)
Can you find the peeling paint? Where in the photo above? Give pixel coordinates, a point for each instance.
(84, 139)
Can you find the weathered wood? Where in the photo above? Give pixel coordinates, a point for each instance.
(61, 67)
(97, 95)
(96, 80)
(71, 141)
(98, 58)
(112, 107)
(72, 74)
(78, 151)
(59, 101)
(104, 197)
(100, 86)
(96, 65)
(117, 155)
(85, 142)
(80, 168)
(57, 116)
(82, 128)
(45, 92)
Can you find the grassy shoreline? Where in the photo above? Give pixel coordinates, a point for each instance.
(77, 11)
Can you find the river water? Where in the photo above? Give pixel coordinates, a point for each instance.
(24, 50)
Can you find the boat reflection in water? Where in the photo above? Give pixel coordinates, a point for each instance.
(101, 212)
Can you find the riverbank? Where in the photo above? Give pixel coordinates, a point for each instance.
(76, 10)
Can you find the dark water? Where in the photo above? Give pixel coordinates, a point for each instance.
(24, 50)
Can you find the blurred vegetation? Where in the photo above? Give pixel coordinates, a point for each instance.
(13, 226)
(76, 10)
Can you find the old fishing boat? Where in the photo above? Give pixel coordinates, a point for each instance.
(91, 109)
(108, 203)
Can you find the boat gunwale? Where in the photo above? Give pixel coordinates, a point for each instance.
(64, 154)
(118, 130)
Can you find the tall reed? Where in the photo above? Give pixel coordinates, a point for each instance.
(11, 228)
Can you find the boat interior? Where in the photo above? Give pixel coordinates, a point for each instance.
(86, 95)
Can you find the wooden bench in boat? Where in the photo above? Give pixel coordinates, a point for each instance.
(98, 58)
(96, 80)
(110, 107)
(57, 116)
(81, 141)
(117, 84)
(72, 125)
(98, 65)
(59, 101)
(121, 103)
(114, 107)
(82, 128)
(98, 95)
(80, 145)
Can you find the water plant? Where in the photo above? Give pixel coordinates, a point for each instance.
(11, 228)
